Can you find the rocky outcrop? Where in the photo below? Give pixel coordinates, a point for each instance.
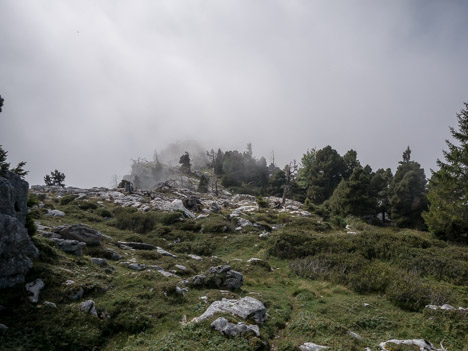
(219, 277)
(16, 247)
(82, 233)
(310, 346)
(225, 327)
(421, 343)
(245, 308)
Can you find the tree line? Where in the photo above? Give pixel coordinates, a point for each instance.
(339, 185)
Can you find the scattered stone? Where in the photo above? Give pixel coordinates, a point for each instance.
(178, 205)
(75, 293)
(50, 304)
(101, 262)
(69, 282)
(164, 252)
(447, 307)
(82, 233)
(366, 305)
(310, 346)
(55, 213)
(34, 288)
(16, 248)
(219, 277)
(204, 299)
(89, 307)
(136, 245)
(70, 246)
(354, 335)
(242, 222)
(421, 343)
(264, 235)
(137, 266)
(194, 257)
(181, 267)
(161, 270)
(245, 308)
(225, 327)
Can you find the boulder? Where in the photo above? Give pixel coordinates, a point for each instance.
(178, 205)
(55, 213)
(82, 233)
(50, 304)
(219, 277)
(310, 346)
(225, 327)
(136, 245)
(245, 308)
(16, 248)
(89, 307)
(421, 343)
(34, 288)
(70, 246)
(102, 262)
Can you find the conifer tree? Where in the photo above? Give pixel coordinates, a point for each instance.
(408, 189)
(448, 188)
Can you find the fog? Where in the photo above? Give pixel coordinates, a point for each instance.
(91, 85)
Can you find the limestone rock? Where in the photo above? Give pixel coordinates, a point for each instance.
(245, 308)
(219, 277)
(310, 346)
(50, 304)
(82, 233)
(421, 343)
(70, 246)
(178, 205)
(225, 327)
(55, 213)
(16, 248)
(136, 245)
(35, 288)
(89, 307)
(102, 262)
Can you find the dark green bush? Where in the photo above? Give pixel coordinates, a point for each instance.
(86, 205)
(67, 199)
(105, 213)
(32, 201)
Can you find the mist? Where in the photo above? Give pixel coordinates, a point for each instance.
(90, 86)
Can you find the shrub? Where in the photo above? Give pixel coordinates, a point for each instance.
(261, 202)
(67, 199)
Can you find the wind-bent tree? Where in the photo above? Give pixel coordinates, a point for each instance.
(55, 178)
(448, 187)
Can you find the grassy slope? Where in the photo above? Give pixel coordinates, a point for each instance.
(318, 306)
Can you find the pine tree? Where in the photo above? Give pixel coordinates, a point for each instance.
(408, 189)
(185, 163)
(448, 188)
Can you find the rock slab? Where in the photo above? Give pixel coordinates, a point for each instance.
(16, 248)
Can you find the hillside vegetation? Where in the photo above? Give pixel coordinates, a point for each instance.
(346, 289)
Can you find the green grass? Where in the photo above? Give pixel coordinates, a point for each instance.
(314, 281)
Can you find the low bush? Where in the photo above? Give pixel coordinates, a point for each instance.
(67, 199)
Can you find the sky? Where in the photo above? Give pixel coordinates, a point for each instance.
(90, 85)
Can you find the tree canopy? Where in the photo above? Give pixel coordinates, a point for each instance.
(448, 187)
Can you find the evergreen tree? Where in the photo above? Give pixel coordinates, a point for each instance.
(203, 184)
(276, 183)
(324, 174)
(380, 188)
(448, 188)
(55, 178)
(350, 161)
(354, 196)
(185, 162)
(408, 199)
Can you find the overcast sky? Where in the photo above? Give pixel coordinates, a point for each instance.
(89, 85)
